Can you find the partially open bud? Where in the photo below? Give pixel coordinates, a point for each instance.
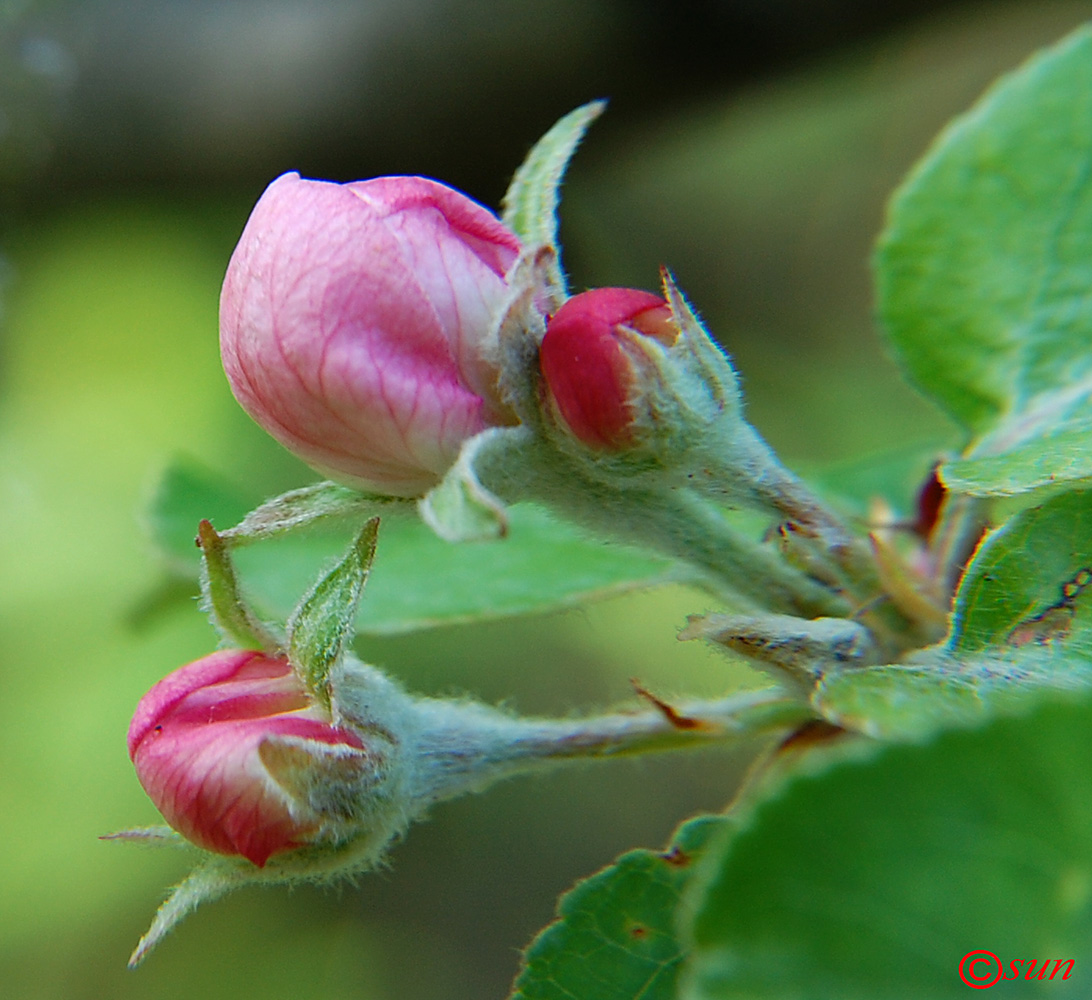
(592, 361)
(240, 759)
(355, 320)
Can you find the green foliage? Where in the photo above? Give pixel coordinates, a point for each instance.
(986, 291)
(1020, 627)
(419, 581)
(861, 870)
(186, 494)
(985, 275)
(1034, 450)
(615, 937)
(872, 875)
(220, 589)
(1027, 580)
(954, 815)
(907, 701)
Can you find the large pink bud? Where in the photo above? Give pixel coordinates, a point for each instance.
(235, 753)
(353, 323)
(593, 363)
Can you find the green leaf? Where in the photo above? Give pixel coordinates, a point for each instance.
(530, 204)
(909, 701)
(615, 936)
(985, 271)
(1028, 573)
(188, 493)
(985, 274)
(1045, 446)
(418, 581)
(1022, 625)
(872, 877)
(422, 582)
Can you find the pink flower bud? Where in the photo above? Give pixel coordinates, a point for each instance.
(353, 323)
(224, 747)
(591, 364)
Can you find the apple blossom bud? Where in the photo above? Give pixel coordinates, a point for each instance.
(237, 755)
(355, 323)
(592, 362)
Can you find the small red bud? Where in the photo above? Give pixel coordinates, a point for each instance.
(931, 498)
(591, 366)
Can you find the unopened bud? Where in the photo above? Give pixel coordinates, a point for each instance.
(593, 362)
(355, 321)
(241, 760)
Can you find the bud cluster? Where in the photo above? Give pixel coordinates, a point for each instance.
(407, 343)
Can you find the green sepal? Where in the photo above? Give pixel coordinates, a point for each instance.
(520, 330)
(149, 836)
(216, 875)
(459, 508)
(304, 508)
(207, 882)
(530, 204)
(715, 451)
(322, 622)
(230, 614)
(704, 357)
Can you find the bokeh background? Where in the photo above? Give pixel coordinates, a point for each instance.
(749, 145)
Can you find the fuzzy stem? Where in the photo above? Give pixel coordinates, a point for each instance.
(677, 522)
(775, 487)
(467, 747)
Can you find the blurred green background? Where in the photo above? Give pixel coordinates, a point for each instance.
(749, 146)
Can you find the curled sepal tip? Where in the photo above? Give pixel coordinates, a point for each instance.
(460, 508)
(706, 358)
(521, 328)
(530, 204)
(230, 613)
(207, 882)
(305, 507)
(149, 836)
(323, 622)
